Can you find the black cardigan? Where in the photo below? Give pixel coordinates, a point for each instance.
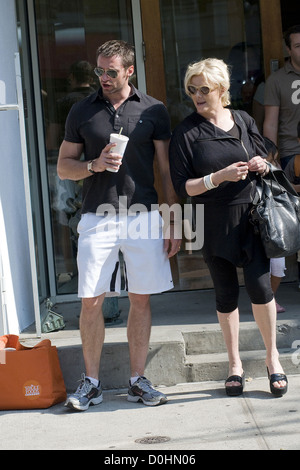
(198, 148)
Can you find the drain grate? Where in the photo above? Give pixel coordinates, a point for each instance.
(152, 440)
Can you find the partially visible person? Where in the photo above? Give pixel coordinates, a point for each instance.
(292, 168)
(244, 61)
(118, 106)
(277, 265)
(292, 171)
(282, 101)
(215, 154)
(282, 111)
(80, 84)
(277, 272)
(258, 109)
(66, 195)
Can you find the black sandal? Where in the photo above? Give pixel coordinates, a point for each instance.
(235, 390)
(278, 392)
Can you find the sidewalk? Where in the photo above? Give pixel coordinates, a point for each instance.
(198, 416)
(187, 361)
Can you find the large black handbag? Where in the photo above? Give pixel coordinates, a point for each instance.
(275, 214)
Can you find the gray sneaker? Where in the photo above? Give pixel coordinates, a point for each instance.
(86, 394)
(142, 390)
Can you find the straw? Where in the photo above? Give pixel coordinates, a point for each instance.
(121, 131)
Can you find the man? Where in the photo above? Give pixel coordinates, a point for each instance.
(282, 100)
(118, 106)
(282, 110)
(292, 171)
(80, 81)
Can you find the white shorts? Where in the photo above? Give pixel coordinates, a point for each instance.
(139, 238)
(277, 267)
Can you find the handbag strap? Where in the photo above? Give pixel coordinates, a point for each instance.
(281, 178)
(276, 180)
(259, 187)
(241, 120)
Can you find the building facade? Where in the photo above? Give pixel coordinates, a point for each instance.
(41, 41)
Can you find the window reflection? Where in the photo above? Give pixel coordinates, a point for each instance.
(68, 34)
(226, 29)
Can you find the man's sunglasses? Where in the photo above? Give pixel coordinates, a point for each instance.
(111, 73)
(203, 89)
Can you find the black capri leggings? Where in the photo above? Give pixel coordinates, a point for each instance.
(225, 279)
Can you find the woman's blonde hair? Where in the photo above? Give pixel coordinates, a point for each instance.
(215, 72)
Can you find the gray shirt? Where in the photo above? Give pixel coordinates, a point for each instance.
(283, 89)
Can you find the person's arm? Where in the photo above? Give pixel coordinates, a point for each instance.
(297, 172)
(234, 173)
(297, 188)
(270, 128)
(162, 155)
(258, 112)
(172, 245)
(69, 165)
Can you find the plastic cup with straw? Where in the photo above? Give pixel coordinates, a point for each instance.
(121, 141)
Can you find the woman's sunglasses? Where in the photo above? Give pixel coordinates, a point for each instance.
(111, 73)
(203, 89)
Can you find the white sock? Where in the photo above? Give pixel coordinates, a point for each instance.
(95, 382)
(134, 379)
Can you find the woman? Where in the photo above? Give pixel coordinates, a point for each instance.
(214, 156)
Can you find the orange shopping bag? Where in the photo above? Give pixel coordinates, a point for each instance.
(29, 377)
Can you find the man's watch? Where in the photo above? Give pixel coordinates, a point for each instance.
(90, 166)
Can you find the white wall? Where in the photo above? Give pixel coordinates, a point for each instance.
(14, 246)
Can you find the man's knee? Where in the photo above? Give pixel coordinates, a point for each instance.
(139, 301)
(92, 304)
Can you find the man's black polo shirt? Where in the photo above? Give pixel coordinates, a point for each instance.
(143, 119)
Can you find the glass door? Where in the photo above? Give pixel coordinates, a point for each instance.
(65, 35)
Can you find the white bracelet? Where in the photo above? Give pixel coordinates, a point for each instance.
(212, 184)
(207, 180)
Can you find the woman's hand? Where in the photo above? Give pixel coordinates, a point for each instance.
(258, 164)
(235, 172)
